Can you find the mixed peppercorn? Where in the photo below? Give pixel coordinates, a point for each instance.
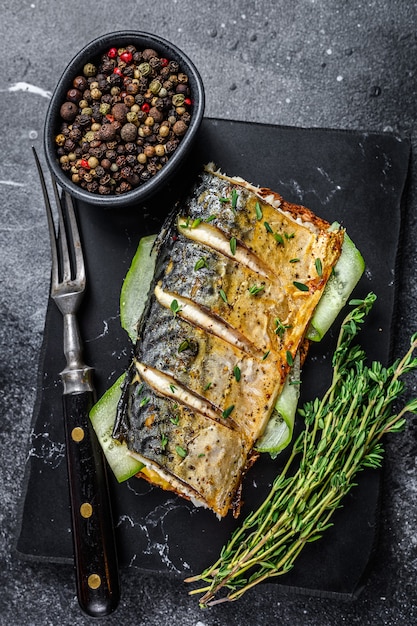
(122, 120)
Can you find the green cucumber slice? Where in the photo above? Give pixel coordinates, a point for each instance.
(136, 284)
(347, 272)
(278, 431)
(102, 417)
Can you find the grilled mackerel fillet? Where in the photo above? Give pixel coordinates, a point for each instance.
(238, 275)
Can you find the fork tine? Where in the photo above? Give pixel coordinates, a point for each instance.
(65, 258)
(76, 240)
(51, 225)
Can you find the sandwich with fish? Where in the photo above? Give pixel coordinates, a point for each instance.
(221, 306)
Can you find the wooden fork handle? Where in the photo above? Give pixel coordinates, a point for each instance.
(95, 554)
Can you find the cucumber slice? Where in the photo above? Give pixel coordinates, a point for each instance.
(347, 272)
(102, 417)
(136, 284)
(278, 431)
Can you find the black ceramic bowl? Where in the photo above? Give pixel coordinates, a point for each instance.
(90, 53)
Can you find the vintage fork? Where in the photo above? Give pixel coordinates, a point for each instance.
(95, 557)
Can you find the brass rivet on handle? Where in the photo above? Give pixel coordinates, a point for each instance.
(77, 434)
(94, 581)
(86, 509)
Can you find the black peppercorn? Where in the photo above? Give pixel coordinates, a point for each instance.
(74, 95)
(119, 112)
(69, 111)
(107, 132)
(80, 82)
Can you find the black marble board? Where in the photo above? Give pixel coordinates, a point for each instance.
(356, 178)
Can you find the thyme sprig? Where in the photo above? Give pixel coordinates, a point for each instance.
(342, 435)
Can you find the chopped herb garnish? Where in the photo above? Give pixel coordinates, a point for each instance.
(289, 235)
(173, 388)
(144, 401)
(268, 228)
(237, 373)
(235, 196)
(265, 356)
(200, 264)
(164, 441)
(295, 260)
(210, 218)
(319, 267)
(300, 286)
(258, 210)
(228, 411)
(184, 345)
(223, 295)
(254, 290)
(186, 224)
(175, 420)
(175, 307)
(223, 199)
(201, 454)
(196, 222)
(280, 327)
(278, 238)
(295, 382)
(181, 452)
(290, 359)
(207, 387)
(233, 245)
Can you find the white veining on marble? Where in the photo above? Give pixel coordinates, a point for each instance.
(27, 87)
(51, 452)
(11, 183)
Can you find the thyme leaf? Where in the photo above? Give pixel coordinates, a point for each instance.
(254, 290)
(223, 295)
(342, 435)
(226, 413)
(258, 211)
(175, 307)
(300, 286)
(202, 262)
(181, 451)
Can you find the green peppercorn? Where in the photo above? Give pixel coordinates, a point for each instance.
(155, 87)
(89, 69)
(89, 136)
(145, 69)
(178, 99)
(132, 117)
(104, 108)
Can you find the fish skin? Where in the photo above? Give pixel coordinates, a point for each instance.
(183, 412)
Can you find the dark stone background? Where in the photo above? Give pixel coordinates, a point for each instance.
(321, 63)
